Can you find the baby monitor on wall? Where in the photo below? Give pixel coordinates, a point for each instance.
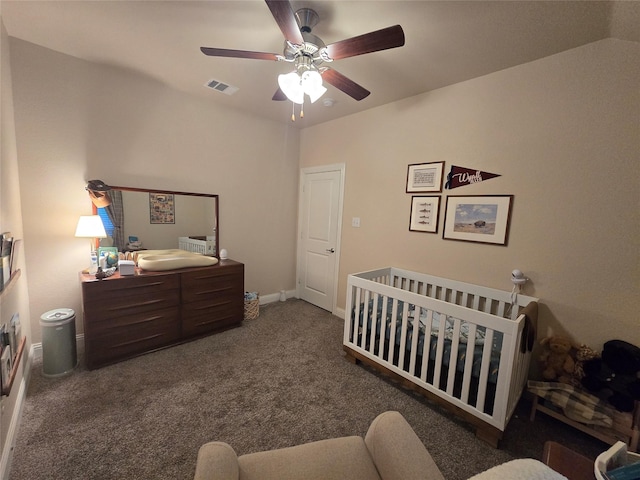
(518, 278)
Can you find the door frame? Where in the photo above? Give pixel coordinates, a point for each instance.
(341, 168)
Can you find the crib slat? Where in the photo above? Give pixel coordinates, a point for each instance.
(383, 323)
(403, 334)
(439, 352)
(453, 356)
(468, 363)
(364, 329)
(414, 339)
(392, 333)
(374, 324)
(354, 327)
(484, 369)
(426, 346)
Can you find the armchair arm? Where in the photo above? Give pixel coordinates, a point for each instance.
(217, 461)
(397, 452)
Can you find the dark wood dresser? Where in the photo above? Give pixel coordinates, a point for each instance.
(125, 316)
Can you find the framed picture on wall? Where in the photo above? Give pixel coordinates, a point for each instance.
(162, 208)
(425, 212)
(481, 219)
(425, 177)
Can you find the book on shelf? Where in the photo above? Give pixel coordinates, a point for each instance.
(6, 245)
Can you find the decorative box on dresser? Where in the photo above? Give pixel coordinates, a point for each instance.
(125, 316)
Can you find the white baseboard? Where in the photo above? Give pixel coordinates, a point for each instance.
(275, 297)
(339, 312)
(36, 348)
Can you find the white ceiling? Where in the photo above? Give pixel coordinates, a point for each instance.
(446, 42)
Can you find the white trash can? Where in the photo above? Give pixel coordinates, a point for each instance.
(59, 353)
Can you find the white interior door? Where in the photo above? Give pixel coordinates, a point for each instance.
(320, 217)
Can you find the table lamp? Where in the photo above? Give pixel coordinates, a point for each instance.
(91, 226)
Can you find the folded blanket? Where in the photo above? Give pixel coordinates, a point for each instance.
(576, 404)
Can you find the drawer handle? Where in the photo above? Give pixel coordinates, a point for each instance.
(133, 342)
(206, 307)
(217, 290)
(136, 322)
(208, 322)
(153, 284)
(141, 304)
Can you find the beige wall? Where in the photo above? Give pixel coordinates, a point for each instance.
(563, 133)
(77, 121)
(15, 299)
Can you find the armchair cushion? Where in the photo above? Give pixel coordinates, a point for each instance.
(334, 459)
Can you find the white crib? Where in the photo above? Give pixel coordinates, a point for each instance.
(205, 245)
(465, 346)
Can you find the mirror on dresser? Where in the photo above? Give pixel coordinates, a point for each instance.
(191, 222)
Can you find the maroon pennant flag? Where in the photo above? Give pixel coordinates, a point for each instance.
(460, 176)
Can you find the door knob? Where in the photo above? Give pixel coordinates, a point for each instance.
(330, 250)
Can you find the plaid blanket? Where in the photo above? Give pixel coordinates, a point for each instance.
(576, 404)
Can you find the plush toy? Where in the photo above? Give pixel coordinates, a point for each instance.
(583, 354)
(616, 376)
(558, 364)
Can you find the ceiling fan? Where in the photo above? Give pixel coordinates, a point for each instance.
(307, 52)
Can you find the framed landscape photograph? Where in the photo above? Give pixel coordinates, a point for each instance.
(482, 219)
(424, 214)
(425, 177)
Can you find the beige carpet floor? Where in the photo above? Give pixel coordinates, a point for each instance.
(277, 381)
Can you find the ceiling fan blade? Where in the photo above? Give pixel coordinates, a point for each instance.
(390, 37)
(286, 20)
(343, 83)
(279, 95)
(223, 52)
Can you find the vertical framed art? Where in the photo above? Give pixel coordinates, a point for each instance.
(425, 212)
(162, 208)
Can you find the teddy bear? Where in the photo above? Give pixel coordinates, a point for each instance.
(558, 364)
(615, 377)
(583, 354)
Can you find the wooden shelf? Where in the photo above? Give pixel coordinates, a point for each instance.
(12, 281)
(6, 389)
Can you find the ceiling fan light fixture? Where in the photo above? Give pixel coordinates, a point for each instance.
(291, 86)
(311, 81)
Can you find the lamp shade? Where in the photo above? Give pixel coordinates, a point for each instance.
(90, 226)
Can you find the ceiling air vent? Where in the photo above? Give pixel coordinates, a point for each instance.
(221, 87)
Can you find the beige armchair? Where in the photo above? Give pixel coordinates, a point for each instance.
(390, 451)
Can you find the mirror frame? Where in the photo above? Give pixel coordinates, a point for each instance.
(191, 194)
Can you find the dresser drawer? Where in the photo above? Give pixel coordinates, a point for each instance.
(132, 335)
(113, 306)
(204, 317)
(114, 288)
(205, 284)
(133, 321)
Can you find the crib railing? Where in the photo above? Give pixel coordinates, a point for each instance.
(468, 307)
(203, 247)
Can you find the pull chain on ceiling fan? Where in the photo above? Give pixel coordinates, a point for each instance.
(307, 52)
